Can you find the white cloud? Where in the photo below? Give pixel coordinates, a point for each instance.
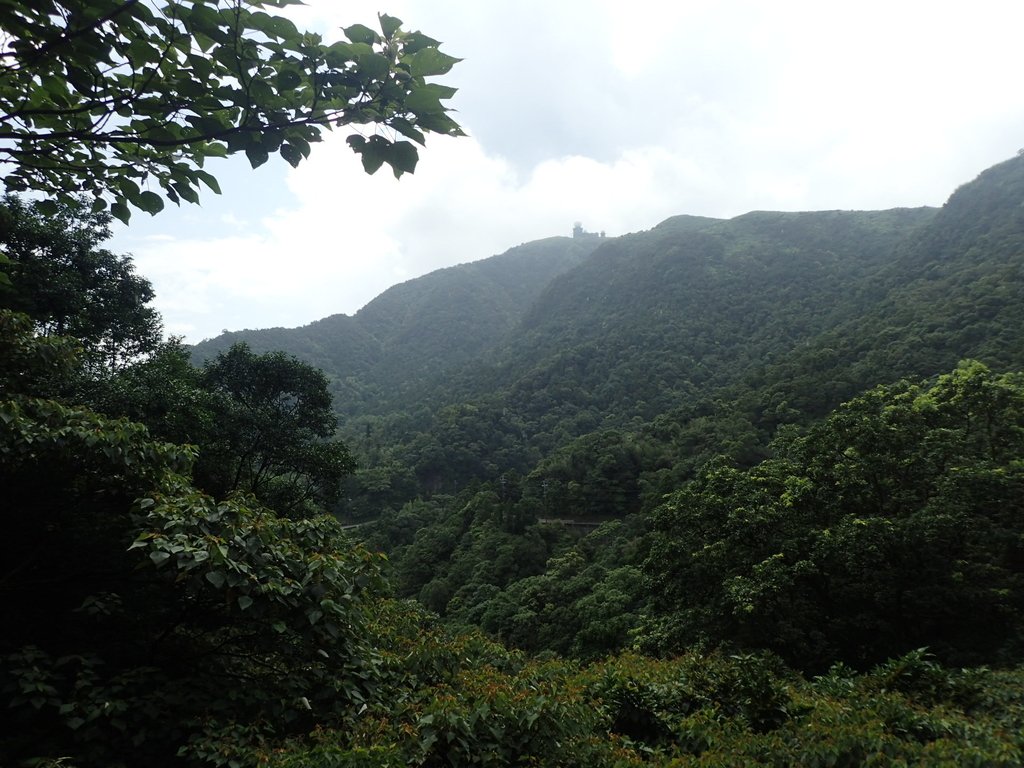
(348, 237)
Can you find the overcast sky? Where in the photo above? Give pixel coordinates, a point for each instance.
(616, 114)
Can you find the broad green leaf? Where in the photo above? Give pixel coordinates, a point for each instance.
(407, 129)
(204, 19)
(301, 144)
(439, 122)
(339, 53)
(425, 100)
(403, 158)
(374, 66)
(292, 154)
(120, 211)
(287, 79)
(257, 156)
(431, 61)
(186, 191)
(215, 149)
(159, 557)
(209, 180)
(416, 41)
(389, 25)
(359, 33)
(47, 207)
(150, 202)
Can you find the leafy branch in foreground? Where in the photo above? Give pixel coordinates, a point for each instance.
(114, 98)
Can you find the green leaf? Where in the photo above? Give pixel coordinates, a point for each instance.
(185, 191)
(216, 578)
(431, 61)
(301, 144)
(338, 54)
(389, 25)
(372, 152)
(159, 558)
(424, 101)
(373, 66)
(47, 207)
(359, 33)
(209, 180)
(150, 202)
(403, 158)
(205, 19)
(121, 212)
(292, 154)
(407, 129)
(257, 156)
(288, 79)
(215, 149)
(416, 41)
(245, 602)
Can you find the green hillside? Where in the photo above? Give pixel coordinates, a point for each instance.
(699, 338)
(416, 332)
(591, 392)
(719, 493)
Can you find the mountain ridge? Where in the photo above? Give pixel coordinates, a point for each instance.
(725, 328)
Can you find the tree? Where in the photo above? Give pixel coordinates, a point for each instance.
(273, 423)
(118, 98)
(70, 286)
(894, 524)
(142, 618)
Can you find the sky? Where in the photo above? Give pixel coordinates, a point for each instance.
(614, 114)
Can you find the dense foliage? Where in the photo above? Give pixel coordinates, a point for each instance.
(628, 372)
(893, 524)
(71, 286)
(143, 618)
(274, 424)
(111, 97)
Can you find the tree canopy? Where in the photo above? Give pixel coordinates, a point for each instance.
(125, 100)
(274, 424)
(892, 525)
(71, 286)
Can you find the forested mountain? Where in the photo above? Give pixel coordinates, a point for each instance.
(698, 336)
(694, 304)
(616, 378)
(417, 331)
(691, 303)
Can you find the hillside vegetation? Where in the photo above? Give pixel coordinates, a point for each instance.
(721, 493)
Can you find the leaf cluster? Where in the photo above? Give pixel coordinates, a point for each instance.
(71, 286)
(893, 524)
(125, 101)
